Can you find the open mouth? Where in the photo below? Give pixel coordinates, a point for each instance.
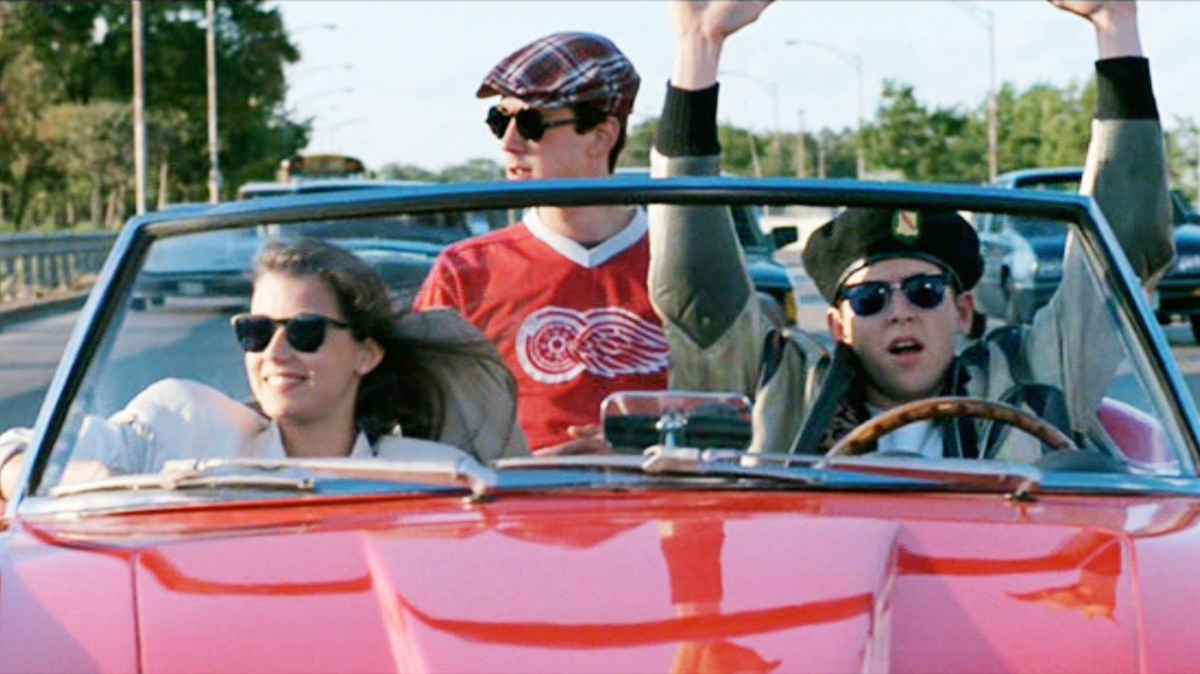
(518, 173)
(905, 346)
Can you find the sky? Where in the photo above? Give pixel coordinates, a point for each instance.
(394, 80)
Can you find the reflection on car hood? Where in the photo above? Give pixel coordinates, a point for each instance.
(638, 582)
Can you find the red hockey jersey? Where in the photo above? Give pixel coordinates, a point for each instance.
(572, 323)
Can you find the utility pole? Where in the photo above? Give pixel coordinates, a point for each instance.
(988, 20)
(801, 149)
(214, 162)
(993, 140)
(854, 60)
(821, 156)
(139, 110)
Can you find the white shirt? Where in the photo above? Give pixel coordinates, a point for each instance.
(181, 419)
(921, 437)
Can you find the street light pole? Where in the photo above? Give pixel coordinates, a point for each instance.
(214, 165)
(988, 20)
(856, 61)
(139, 110)
(801, 147)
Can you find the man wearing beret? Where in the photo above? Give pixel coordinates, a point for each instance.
(562, 293)
(898, 283)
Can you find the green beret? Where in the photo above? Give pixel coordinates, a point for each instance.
(858, 237)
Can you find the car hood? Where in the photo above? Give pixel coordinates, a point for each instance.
(679, 582)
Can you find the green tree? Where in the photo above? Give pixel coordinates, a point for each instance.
(639, 138)
(86, 47)
(28, 91)
(1183, 156)
(398, 171)
(944, 144)
(1045, 125)
(472, 170)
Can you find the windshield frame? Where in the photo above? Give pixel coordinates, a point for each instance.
(116, 279)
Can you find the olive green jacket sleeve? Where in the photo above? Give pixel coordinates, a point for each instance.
(700, 287)
(1074, 343)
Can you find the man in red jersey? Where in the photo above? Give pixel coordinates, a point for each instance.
(562, 293)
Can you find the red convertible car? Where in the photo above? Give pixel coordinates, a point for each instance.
(679, 552)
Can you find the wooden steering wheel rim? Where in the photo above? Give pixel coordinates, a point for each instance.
(864, 436)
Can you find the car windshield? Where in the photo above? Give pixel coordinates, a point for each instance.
(169, 318)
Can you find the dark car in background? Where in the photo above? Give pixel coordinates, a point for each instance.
(211, 266)
(215, 266)
(1023, 255)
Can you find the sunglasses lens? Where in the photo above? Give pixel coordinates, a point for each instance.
(530, 124)
(868, 299)
(497, 121)
(306, 333)
(925, 292)
(253, 332)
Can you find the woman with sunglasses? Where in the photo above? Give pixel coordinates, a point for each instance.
(333, 373)
(898, 283)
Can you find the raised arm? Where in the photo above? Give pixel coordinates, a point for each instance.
(698, 279)
(1072, 344)
(1126, 166)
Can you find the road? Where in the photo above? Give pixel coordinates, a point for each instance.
(29, 353)
(153, 345)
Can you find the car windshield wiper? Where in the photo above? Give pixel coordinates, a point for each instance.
(716, 463)
(1018, 480)
(293, 475)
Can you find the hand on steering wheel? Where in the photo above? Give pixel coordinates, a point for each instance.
(864, 436)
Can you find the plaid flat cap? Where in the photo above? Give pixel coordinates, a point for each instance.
(858, 237)
(563, 69)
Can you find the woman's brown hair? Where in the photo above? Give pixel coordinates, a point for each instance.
(402, 390)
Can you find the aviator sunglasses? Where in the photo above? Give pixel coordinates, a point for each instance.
(305, 332)
(924, 291)
(530, 124)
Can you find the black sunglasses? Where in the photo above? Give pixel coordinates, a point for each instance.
(530, 124)
(305, 332)
(924, 291)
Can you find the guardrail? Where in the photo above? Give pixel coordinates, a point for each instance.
(32, 265)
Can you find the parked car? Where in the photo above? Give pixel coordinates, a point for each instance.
(676, 559)
(210, 266)
(1023, 256)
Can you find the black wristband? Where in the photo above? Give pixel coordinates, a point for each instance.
(688, 126)
(1123, 89)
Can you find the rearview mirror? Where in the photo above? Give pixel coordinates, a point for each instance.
(635, 420)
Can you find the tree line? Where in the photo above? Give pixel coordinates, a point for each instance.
(66, 86)
(66, 118)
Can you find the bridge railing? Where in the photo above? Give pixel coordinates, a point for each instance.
(31, 265)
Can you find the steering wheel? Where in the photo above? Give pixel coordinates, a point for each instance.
(859, 440)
